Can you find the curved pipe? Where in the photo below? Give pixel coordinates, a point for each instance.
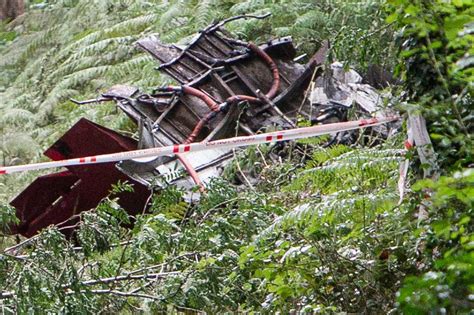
(239, 98)
(195, 92)
(203, 96)
(216, 108)
(198, 127)
(235, 98)
(273, 67)
(192, 172)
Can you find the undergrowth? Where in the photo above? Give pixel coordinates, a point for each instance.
(307, 245)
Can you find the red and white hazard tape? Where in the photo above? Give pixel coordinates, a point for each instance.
(291, 134)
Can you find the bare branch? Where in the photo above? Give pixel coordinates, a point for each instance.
(120, 293)
(128, 277)
(6, 295)
(11, 294)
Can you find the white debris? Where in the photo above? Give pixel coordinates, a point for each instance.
(344, 87)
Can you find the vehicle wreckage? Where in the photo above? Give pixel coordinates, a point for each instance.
(226, 87)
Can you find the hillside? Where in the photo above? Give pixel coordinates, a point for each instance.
(313, 226)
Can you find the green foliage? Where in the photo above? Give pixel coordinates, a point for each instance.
(324, 253)
(6, 36)
(170, 203)
(311, 22)
(449, 285)
(434, 64)
(250, 162)
(7, 217)
(437, 42)
(220, 254)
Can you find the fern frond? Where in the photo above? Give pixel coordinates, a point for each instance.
(332, 204)
(98, 47)
(18, 144)
(17, 99)
(131, 26)
(368, 153)
(204, 13)
(311, 20)
(57, 95)
(246, 7)
(16, 116)
(169, 17)
(355, 162)
(131, 66)
(16, 49)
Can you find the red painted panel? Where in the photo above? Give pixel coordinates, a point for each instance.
(80, 188)
(38, 196)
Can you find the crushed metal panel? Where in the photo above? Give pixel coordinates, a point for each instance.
(216, 66)
(241, 74)
(53, 199)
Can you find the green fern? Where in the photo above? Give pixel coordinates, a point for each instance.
(370, 175)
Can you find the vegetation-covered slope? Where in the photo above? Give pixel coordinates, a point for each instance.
(50, 61)
(325, 235)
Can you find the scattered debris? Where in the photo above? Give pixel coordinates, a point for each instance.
(226, 88)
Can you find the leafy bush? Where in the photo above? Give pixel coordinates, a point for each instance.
(434, 64)
(448, 239)
(436, 45)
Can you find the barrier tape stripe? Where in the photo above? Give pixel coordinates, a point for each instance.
(284, 135)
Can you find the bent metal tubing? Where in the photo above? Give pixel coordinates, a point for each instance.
(216, 108)
(191, 171)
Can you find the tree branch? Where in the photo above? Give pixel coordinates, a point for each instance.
(11, 294)
(120, 293)
(127, 277)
